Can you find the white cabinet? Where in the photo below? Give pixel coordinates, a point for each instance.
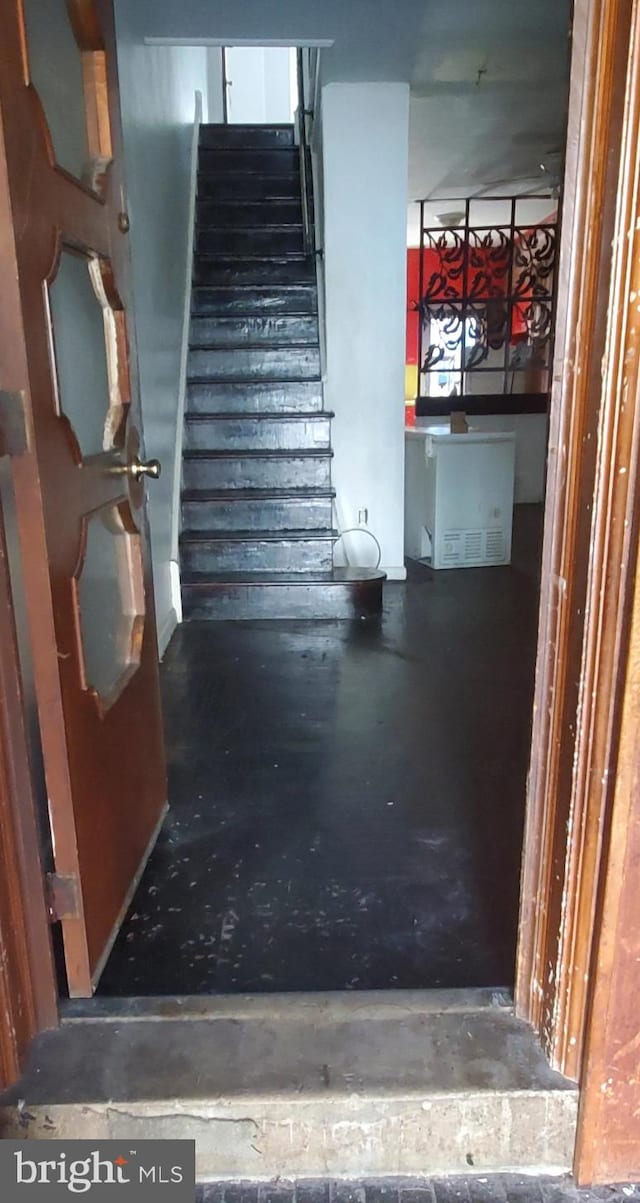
(459, 496)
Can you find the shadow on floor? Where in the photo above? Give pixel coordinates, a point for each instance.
(347, 800)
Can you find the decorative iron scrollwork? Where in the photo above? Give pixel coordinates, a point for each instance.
(486, 304)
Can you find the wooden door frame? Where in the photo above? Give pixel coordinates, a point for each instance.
(580, 629)
(578, 974)
(576, 960)
(28, 998)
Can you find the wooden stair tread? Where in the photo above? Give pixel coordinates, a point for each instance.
(261, 536)
(260, 453)
(336, 576)
(302, 494)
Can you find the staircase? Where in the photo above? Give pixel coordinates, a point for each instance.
(257, 532)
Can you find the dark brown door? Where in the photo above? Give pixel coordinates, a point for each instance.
(80, 491)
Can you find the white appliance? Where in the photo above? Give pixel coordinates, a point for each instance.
(459, 496)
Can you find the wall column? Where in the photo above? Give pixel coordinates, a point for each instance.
(365, 136)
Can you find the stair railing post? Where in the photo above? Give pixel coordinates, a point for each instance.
(301, 121)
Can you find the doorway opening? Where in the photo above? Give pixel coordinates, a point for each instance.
(347, 799)
(366, 831)
(102, 806)
(261, 85)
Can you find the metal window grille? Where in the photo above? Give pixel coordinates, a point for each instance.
(487, 307)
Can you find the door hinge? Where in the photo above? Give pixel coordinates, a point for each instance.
(62, 897)
(13, 423)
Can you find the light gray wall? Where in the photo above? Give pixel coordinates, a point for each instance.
(374, 40)
(157, 93)
(365, 130)
(277, 84)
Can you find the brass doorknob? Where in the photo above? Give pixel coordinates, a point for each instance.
(138, 468)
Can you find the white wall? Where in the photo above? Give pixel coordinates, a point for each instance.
(157, 93)
(365, 134)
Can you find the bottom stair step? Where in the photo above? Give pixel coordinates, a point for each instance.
(341, 593)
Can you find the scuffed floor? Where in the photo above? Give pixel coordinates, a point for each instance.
(347, 800)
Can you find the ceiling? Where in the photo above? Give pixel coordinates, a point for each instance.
(489, 84)
(488, 77)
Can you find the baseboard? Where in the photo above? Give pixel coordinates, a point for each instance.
(394, 573)
(165, 631)
(176, 590)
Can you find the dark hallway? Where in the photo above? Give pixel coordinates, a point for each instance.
(346, 799)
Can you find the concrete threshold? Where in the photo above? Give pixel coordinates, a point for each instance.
(357, 1085)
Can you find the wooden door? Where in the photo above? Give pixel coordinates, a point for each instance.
(80, 489)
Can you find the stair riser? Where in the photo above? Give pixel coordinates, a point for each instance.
(242, 187)
(229, 331)
(254, 473)
(296, 396)
(216, 214)
(246, 136)
(271, 515)
(249, 242)
(254, 162)
(315, 600)
(296, 555)
(225, 302)
(270, 272)
(259, 434)
(303, 363)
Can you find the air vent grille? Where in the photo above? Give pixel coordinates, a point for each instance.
(471, 548)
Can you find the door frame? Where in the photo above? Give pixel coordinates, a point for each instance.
(577, 958)
(28, 987)
(580, 650)
(590, 537)
(28, 995)
(578, 972)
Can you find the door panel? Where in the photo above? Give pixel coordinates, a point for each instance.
(259, 85)
(109, 603)
(82, 486)
(55, 71)
(79, 352)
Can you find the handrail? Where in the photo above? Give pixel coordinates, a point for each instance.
(303, 113)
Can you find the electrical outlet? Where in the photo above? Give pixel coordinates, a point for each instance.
(363, 516)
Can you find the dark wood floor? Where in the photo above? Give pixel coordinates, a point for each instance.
(347, 800)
